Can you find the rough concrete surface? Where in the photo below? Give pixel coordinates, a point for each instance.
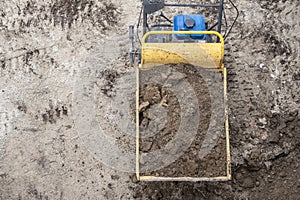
(45, 44)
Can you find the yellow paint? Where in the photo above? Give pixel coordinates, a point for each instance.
(228, 170)
(205, 55)
(137, 148)
(192, 179)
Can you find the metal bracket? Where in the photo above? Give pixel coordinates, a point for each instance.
(135, 53)
(132, 46)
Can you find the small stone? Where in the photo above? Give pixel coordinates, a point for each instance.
(146, 146)
(264, 136)
(263, 121)
(253, 135)
(115, 177)
(163, 102)
(143, 106)
(134, 179)
(257, 183)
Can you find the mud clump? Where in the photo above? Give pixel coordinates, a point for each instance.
(156, 95)
(109, 77)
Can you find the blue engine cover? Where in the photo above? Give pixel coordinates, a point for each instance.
(189, 23)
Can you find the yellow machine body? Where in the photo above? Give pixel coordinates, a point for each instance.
(204, 55)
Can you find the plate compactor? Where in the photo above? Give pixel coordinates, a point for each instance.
(186, 39)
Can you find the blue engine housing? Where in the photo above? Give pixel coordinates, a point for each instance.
(189, 23)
